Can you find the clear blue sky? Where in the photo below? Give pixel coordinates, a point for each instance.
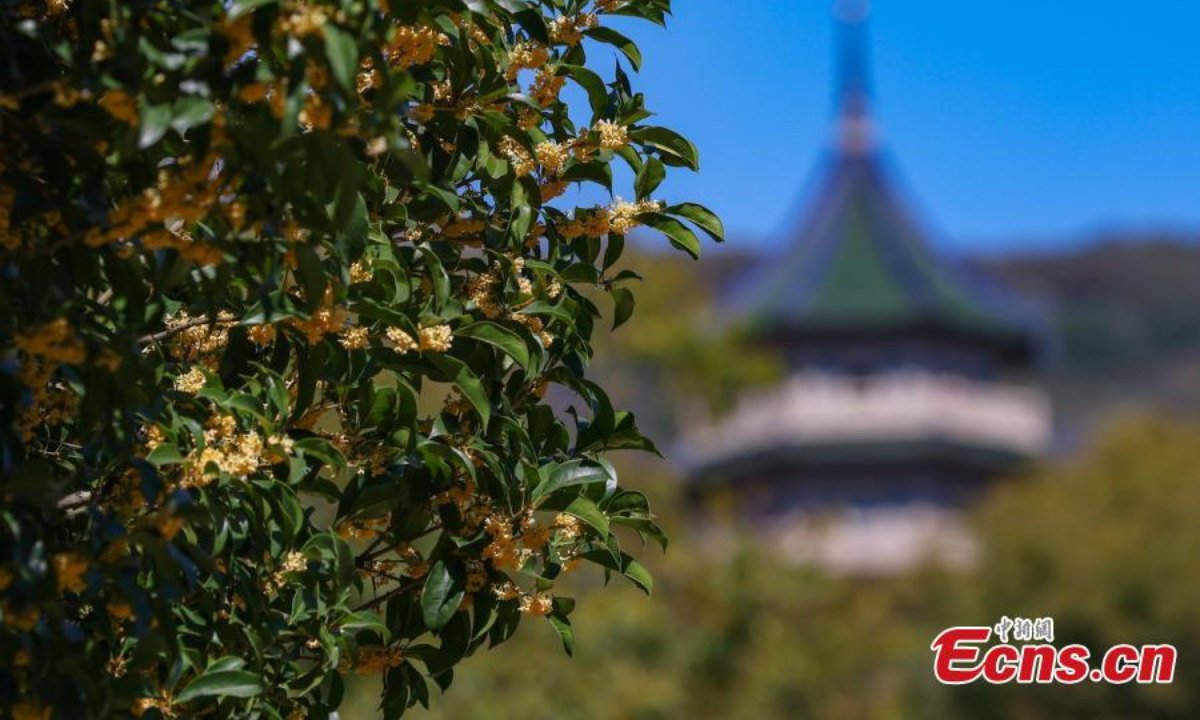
(1012, 122)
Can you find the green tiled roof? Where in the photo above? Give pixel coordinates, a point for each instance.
(858, 261)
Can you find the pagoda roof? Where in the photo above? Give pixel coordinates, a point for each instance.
(859, 261)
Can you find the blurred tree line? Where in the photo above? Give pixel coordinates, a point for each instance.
(1106, 545)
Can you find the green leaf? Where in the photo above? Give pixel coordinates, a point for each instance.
(575, 472)
(619, 41)
(312, 275)
(678, 233)
(440, 597)
(532, 21)
(674, 148)
(365, 620)
(321, 449)
(587, 511)
(624, 564)
(622, 306)
(457, 372)
(704, 218)
(500, 337)
(541, 307)
(593, 84)
(649, 178)
(153, 122)
(558, 618)
(189, 112)
(343, 55)
(597, 172)
(638, 573)
(229, 662)
(222, 683)
(166, 454)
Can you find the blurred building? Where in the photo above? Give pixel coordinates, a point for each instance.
(909, 385)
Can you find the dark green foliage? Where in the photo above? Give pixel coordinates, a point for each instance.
(284, 286)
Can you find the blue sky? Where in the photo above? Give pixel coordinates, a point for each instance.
(1011, 122)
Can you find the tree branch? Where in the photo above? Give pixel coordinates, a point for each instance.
(389, 595)
(169, 332)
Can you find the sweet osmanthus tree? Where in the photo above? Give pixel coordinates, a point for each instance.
(284, 286)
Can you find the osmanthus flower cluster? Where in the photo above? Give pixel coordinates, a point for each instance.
(284, 285)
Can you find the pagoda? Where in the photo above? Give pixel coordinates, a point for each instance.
(909, 385)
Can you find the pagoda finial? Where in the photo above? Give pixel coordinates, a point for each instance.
(856, 132)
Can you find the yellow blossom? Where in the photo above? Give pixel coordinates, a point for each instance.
(402, 342)
(163, 704)
(525, 56)
(622, 215)
(533, 534)
(24, 620)
(376, 658)
(240, 34)
(551, 156)
(553, 189)
(537, 604)
(55, 341)
(195, 341)
(414, 45)
(120, 105)
(261, 334)
(119, 610)
(528, 118)
(506, 591)
(293, 562)
(522, 162)
(354, 338)
(316, 113)
(360, 273)
(612, 135)
(436, 338)
(254, 92)
(191, 382)
(325, 319)
(30, 710)
(69, 568)
(422, 113)
(546, 86)
(596, 224)
(302, 19)
(566, 30)
(569, 527)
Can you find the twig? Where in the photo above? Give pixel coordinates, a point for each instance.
(368, 556)
(75, 499)
(76, 503)
(169, 332)
(389, 595)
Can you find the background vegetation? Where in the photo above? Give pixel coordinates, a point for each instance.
(1100, 539)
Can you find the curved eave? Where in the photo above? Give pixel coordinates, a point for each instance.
(804, 457)
(1018, 346)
